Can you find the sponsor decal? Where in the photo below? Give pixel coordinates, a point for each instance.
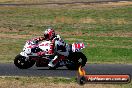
(83, 78)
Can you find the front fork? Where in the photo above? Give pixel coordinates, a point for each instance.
(32, 56)
(24, 54)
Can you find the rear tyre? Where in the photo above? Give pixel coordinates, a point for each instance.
(22, 63)
(75, 60)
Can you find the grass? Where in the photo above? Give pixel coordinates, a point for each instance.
(47, 82)
(106, 27)
(46, 1)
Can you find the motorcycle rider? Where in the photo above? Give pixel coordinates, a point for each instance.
(57, 46)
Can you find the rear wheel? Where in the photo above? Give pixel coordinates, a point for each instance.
(23, 63)
(75, 60)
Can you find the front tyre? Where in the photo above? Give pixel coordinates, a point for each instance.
(75, 60)
(21, 62)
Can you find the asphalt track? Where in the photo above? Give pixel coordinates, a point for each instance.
(12, 70)
(60, 3)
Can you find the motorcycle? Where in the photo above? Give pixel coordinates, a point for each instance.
(29, 57)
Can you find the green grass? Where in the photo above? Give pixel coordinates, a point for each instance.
(108, 30)
(41, 79)
(45, 1)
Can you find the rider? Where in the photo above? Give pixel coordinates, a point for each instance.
(58, 46)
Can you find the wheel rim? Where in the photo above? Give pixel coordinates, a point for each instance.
(80, 60)
(21, 61)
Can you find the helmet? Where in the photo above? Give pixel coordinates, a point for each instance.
(49, 34)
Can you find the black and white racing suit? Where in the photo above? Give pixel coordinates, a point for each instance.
(60, 49)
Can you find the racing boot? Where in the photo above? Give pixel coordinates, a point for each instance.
(53, 62)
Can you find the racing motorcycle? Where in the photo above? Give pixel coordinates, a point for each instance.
(29, 57)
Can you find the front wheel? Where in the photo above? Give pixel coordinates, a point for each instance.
(23, 63)
(75, 60)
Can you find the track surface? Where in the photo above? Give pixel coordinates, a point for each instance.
(60, 3)
(11, 70)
